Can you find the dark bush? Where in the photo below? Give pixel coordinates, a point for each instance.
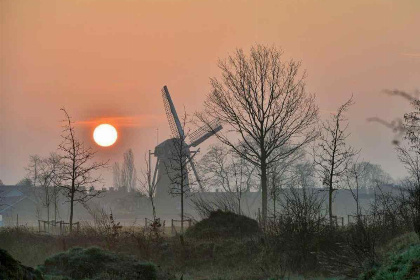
(96, 263)
(13, 269)
(224, 224)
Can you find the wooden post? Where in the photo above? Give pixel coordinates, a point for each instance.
(17, 220)
(145, 220)
(78, 227)
(172, 226)
(39, 226)
(189, 223)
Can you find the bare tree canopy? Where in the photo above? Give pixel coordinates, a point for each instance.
(77, 169)
(263, 100)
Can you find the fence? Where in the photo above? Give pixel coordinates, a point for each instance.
(56, 227)
(174, 228)
(379, 218)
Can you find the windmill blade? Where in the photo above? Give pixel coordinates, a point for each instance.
(194, 170)
(205, 132)
(155, 172)
(174, 123)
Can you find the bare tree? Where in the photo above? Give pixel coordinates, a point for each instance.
(49, 180)
(353, 176)
(410, 157)
(280, 174)
(128, 172)
(147, 186)
(77, 169)
(264, 101)
(116, 176)
(178, 167)
(332, 155)
(224, 170)
(33, 168)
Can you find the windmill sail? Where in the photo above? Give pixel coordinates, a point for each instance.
(204, 132)
(174, 123)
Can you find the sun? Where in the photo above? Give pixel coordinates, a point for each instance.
(105, 135)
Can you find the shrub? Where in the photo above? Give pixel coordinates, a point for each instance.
(224, 224)
(96, 263)
(13, 269)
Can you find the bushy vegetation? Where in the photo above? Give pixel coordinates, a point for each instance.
(13, 269)
(223, 224)
(96, 263)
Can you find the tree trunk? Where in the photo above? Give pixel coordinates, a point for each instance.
(71, 207)
(330, 193)
(182, 210)
(264, 191)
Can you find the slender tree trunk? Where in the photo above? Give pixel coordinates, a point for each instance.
(264, 190)
(71, 207)
(182, 210)
(330, 193)
(153, 209)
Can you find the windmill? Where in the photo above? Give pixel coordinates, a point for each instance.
(164, 150)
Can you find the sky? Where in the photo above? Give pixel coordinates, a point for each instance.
(107, 60)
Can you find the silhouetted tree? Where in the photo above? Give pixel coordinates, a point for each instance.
(264, 101)
(33, 168)
(332, 155)
(116, 176)
(178, 167)
(77, 170)
(49, 180)
(147, 186)
(128, 171)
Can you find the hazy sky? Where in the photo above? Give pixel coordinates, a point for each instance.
(108, 59)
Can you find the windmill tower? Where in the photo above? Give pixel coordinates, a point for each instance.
(165, 150)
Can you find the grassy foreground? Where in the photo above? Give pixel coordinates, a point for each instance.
(232, 249)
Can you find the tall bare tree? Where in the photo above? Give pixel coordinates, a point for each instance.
(35, 162)
(357, 170)
(77, 167)
(128, 171)
(147, 186)
(332, 154)
(116, 176)
(264, 101)
(178, 167)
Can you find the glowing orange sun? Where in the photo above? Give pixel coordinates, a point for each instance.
(105, 135)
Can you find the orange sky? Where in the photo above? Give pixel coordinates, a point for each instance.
(108, 59)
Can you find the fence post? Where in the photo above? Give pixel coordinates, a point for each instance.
(78, 227)
(39, 226)
(189, 223)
